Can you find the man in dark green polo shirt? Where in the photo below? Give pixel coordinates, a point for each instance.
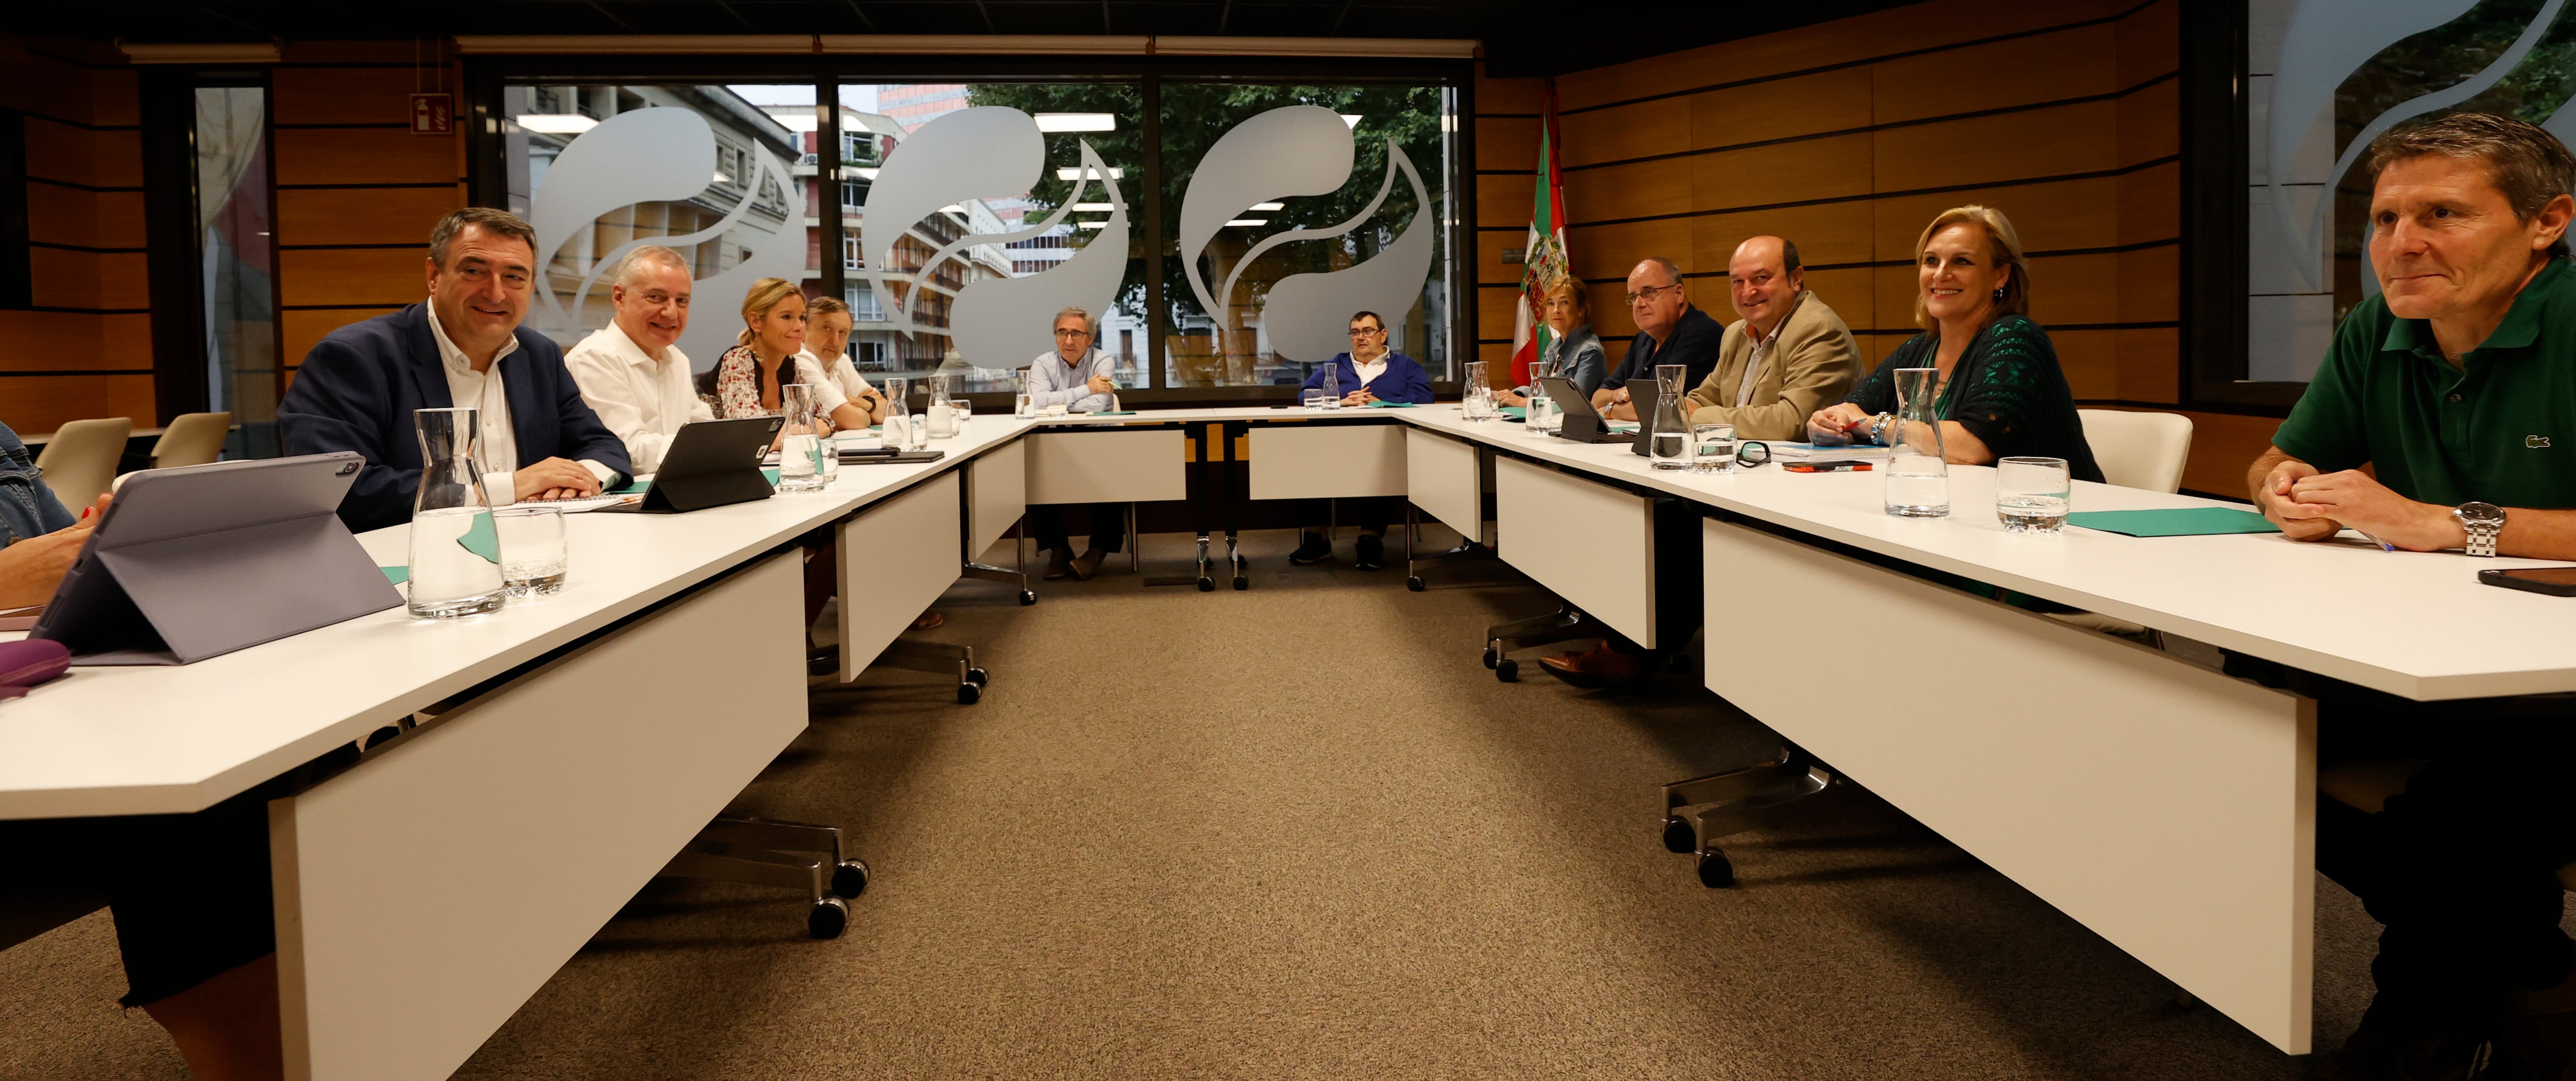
(2457, 387)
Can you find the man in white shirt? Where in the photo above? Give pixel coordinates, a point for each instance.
(632, 371)
(463, 347)
(1077, 377)
(827, 338)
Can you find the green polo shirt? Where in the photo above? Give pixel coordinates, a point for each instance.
(2500, 428)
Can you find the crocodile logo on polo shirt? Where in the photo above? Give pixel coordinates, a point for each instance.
(2535, 442)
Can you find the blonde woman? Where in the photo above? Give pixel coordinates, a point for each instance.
(746, 378)
(1572, 346)
(2001, 391)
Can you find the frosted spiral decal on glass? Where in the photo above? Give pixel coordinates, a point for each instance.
(990, 152)
(659, 154)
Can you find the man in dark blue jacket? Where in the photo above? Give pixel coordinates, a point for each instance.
(463, 347)
(1367, 374)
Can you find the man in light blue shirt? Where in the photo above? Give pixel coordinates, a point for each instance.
(1076, 376)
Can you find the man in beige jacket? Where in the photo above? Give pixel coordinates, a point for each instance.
(1789, 355)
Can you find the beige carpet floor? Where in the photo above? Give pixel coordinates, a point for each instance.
(1299, 832)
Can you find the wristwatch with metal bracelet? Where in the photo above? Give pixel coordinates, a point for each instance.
(2484, 523)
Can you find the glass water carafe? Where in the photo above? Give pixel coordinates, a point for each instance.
(1332, 386)
(1918, 474)
(1020, 394)
(1542, 414)
(943, 409)
(896, 430)
(800, 443)
(1668, 431)
(455, 553)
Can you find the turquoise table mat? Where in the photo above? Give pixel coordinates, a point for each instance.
(2173, 521)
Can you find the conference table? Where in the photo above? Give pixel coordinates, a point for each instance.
(548, 759)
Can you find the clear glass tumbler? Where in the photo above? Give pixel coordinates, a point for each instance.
(532, 549)
(2032, 495)
(1312, 399)
(1712, 448)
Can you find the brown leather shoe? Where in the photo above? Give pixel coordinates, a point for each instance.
(1059, 565)
(1599, 666)
(928, 620)
(1087, 564)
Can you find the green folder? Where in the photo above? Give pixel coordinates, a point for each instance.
(1390, 405)
(1516, 412)
(396, 575)
(482, 540)
(2173, 522)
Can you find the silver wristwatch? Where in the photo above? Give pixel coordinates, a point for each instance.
(2484, 522)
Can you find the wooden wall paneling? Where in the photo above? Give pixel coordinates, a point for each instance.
(1490, 246)
(348, 95)
(42, 403)
(2068, 290)
(1506, 143)
(2151, 123)
(361, 215)
(93, 219)
(1850, 292)
(1994, 149)
(1610, 315)
(1645, 129)
(1496, 312)
(1509, 95)
(1826, 101)
(2151, 285)
(1877, 344)
(388, 276)
(342, 156)
(1803, 171)
(2091, 361)
(1625, 191)
(1614, 348)
(1597, 252)
(1894, 288)
(2150, 202)
(1996, 75)
(99, 159)
(1827, 233)
(2150, 364)
(88, 280)
(1503, 200)
(2052, 216)
(2150, 42)
(56, 341)
(302, 329)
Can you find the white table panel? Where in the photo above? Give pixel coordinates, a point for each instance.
(1142, 466)
(1590, 543)
(2165, 805)
(425, 894)
(1300, 461)
(1446, 478)
(898, 557)
(997, 491)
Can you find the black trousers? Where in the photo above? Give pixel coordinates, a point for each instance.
(2461, 869)
(1108, 527)
(1371, 513)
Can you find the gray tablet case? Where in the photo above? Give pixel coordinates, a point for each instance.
(711, 463)
(1582, 424)
(199, 561)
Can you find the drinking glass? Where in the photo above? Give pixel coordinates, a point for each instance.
(965, 412)
(451, 522)
(1712, 448)
(533, 555)
(2033, 494)
(1312, 399)
(800, 451)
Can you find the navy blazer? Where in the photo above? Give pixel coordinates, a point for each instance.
(1693, 345)
(1403, 380)
(358, 386)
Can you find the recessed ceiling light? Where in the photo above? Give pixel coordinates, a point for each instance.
(1077, 122)
(557, 123)
(1248, 221)
(1115, 173)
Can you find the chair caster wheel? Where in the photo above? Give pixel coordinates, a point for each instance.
(978, 677)
(1207, 585)
(1507, 670)
(850, 879)
(1028, 597)
(1492, 656)
(968, 694)
(1414, 583)
(1242, 583)
(1679, 838)
(1714, 870)
(827, 918)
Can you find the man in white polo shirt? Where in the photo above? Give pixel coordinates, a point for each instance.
(631, 371)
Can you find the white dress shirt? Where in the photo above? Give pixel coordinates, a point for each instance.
(496, 446)
(1054, 382)
(1368, 372)
(643, 398)
(839, 372)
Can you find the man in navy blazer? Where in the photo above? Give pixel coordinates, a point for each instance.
(1368, 373)
(463, 347)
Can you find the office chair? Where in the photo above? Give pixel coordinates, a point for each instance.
(80, 461)
(788, 855)
(192, 439)
(2135, 450)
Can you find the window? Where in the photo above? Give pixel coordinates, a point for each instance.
(853, 196)
(849, 253)
(237, 250)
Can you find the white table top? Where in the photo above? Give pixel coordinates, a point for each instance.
(2414, 624)
(168, 739)
(155, 740)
